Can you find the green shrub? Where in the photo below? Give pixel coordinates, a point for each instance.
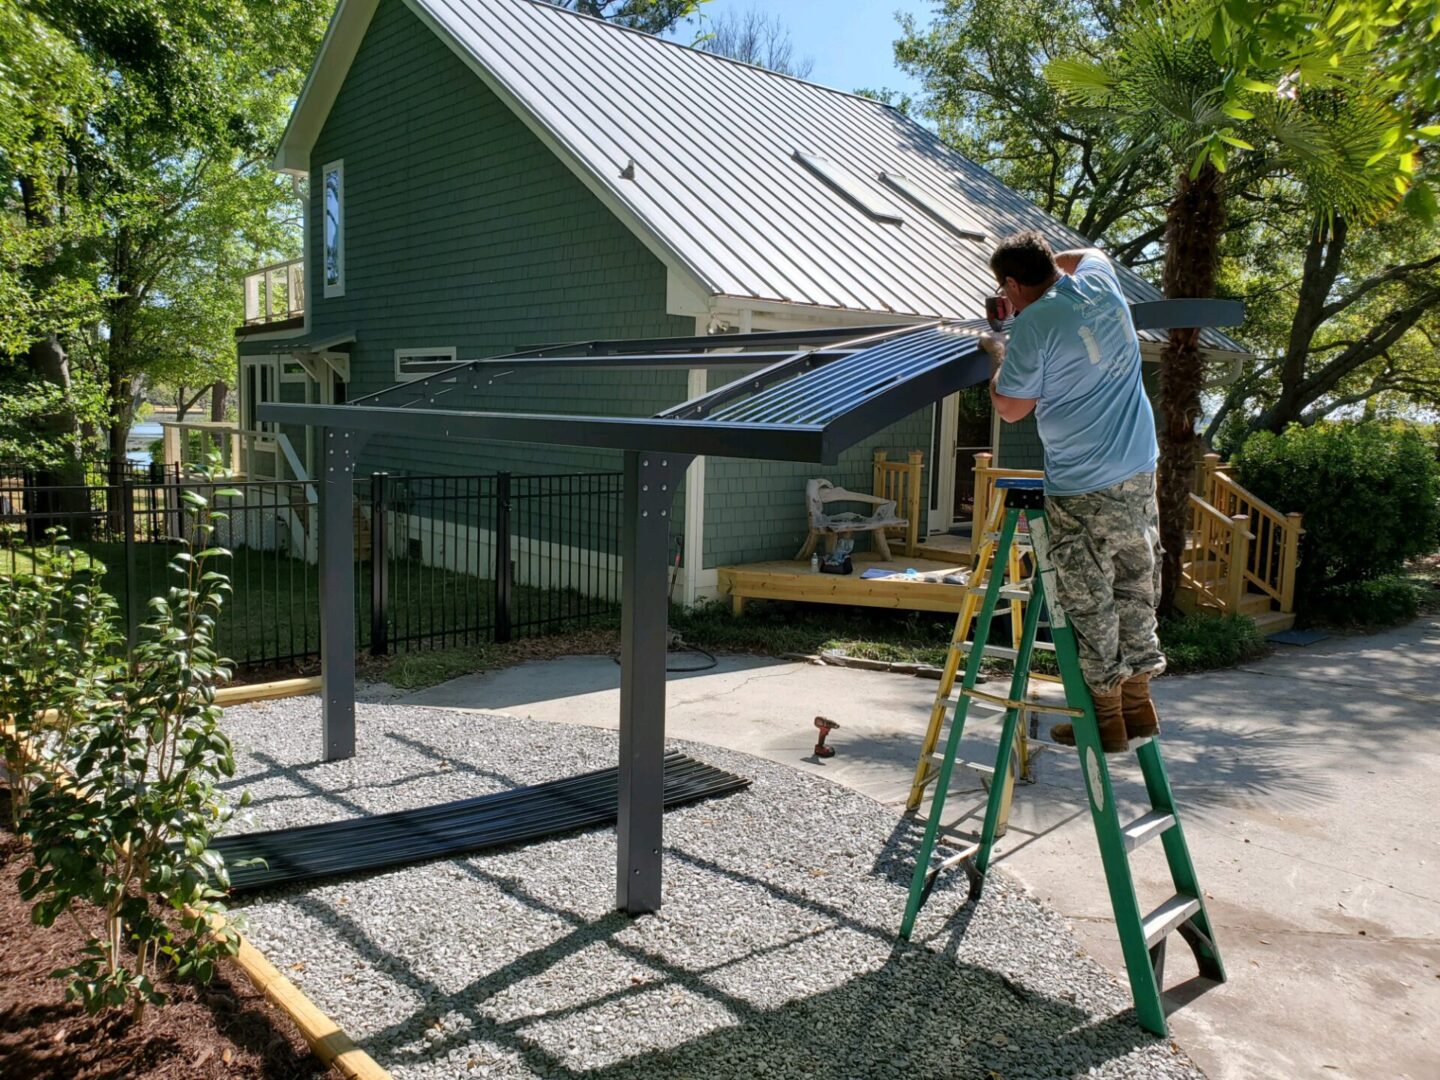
(122, 847)
(1204, 641)
(1370, 493)
(1382, 601)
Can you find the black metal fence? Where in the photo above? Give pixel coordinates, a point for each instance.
(440, 560)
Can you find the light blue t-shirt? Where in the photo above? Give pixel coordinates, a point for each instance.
(1075, 351)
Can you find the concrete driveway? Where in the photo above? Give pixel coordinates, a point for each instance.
(1309, 785)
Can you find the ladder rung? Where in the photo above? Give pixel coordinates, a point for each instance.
(1007, 592)
(970, 851)
(974, 766)
(1146, 828)
(1005, 652)
(1033, 706)
(1159, 924)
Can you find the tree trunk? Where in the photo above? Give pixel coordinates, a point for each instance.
(119, 350)
(58, 498)
(1194, 223)
(218, 393)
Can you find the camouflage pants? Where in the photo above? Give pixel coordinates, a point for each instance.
(1104, 548)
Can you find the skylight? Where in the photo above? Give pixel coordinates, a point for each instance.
(943, 214)
(853, 187)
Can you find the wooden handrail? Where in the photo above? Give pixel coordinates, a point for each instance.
(1272, 559)
(900, 483)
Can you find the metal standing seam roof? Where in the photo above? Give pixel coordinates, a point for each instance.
(716, 179)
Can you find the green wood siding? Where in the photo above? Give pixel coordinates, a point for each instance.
(755, 510)
(462, 229)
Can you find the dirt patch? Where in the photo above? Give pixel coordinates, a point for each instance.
(226, 1029)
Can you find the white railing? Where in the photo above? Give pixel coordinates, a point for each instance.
(252, 455)
(275, 293)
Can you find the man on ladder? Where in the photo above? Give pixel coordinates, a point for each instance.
(1074, 360)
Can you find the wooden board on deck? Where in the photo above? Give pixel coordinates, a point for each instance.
(787, 579)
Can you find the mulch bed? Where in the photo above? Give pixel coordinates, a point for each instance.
(226, 1029)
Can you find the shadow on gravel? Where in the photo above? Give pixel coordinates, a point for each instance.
(919, 1014)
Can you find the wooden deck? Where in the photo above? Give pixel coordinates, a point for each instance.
(787, 579)
(943, 547)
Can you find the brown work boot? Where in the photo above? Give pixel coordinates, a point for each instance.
(1141, 720)
(1110, 719)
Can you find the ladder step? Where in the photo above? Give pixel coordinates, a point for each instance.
(1004, 652)
(1146, 828)
(936, 760)
(1033, 706)
(1161, 922)
(1007, 592)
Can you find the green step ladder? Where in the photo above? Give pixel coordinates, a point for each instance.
(1142, 937)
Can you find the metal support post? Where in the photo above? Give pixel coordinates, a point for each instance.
(650, 483)
(379, 565)
(504, 590)
(337, 591)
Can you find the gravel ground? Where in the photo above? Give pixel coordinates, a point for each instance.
(775, 955)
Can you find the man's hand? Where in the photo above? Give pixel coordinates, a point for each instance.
(995, 347)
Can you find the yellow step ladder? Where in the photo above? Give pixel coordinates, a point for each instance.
(1015, 592)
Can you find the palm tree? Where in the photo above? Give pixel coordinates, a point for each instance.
(1189, 81)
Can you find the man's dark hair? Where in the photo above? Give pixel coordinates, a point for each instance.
(1026, 257)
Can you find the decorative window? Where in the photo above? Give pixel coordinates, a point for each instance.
(292, 371)
(932, 206)
(332, 194)
(855, 188)
(417, 363)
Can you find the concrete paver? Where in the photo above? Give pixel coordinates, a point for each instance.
(1308, 785)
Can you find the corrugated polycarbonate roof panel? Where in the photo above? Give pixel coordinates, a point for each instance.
(827, 392)
(715, 178)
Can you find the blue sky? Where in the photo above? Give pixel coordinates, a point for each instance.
(849, 40)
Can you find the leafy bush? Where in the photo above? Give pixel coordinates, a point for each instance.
(1382, 601)
(57, 644)
(1370, 493)
(1202, 642)
(128, 838)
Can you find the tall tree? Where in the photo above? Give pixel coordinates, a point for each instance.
(981, 64)
(755, 38)
(1192, 83)
(161, 163)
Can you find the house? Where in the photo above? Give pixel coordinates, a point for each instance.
(485, 176)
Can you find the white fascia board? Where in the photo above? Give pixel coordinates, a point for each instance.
(332, 63)
(610, 196)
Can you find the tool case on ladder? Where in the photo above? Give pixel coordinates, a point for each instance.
(1142, 936)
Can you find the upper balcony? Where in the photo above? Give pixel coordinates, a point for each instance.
(275, 297)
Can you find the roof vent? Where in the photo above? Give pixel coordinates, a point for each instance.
(937, 210)
(628, 172)
(853, 187)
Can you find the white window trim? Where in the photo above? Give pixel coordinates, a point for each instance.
(447, 351)
(338, 289)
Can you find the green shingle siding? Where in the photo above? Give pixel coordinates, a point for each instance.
(462, 228)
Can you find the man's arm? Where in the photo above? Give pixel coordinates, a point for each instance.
(1069, 261)
(1009, 408)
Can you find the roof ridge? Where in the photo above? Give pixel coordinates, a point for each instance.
(703, 52)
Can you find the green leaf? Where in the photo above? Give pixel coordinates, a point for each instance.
(1420, 201)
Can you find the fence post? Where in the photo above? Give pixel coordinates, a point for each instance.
(1289, 562)
(504, 594)
(127, 518)
(379, 565)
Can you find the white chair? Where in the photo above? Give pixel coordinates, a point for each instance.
(820, 493)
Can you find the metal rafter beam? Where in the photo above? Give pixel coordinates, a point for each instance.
(776, 442)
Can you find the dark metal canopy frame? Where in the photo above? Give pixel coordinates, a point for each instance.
(816, 394)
